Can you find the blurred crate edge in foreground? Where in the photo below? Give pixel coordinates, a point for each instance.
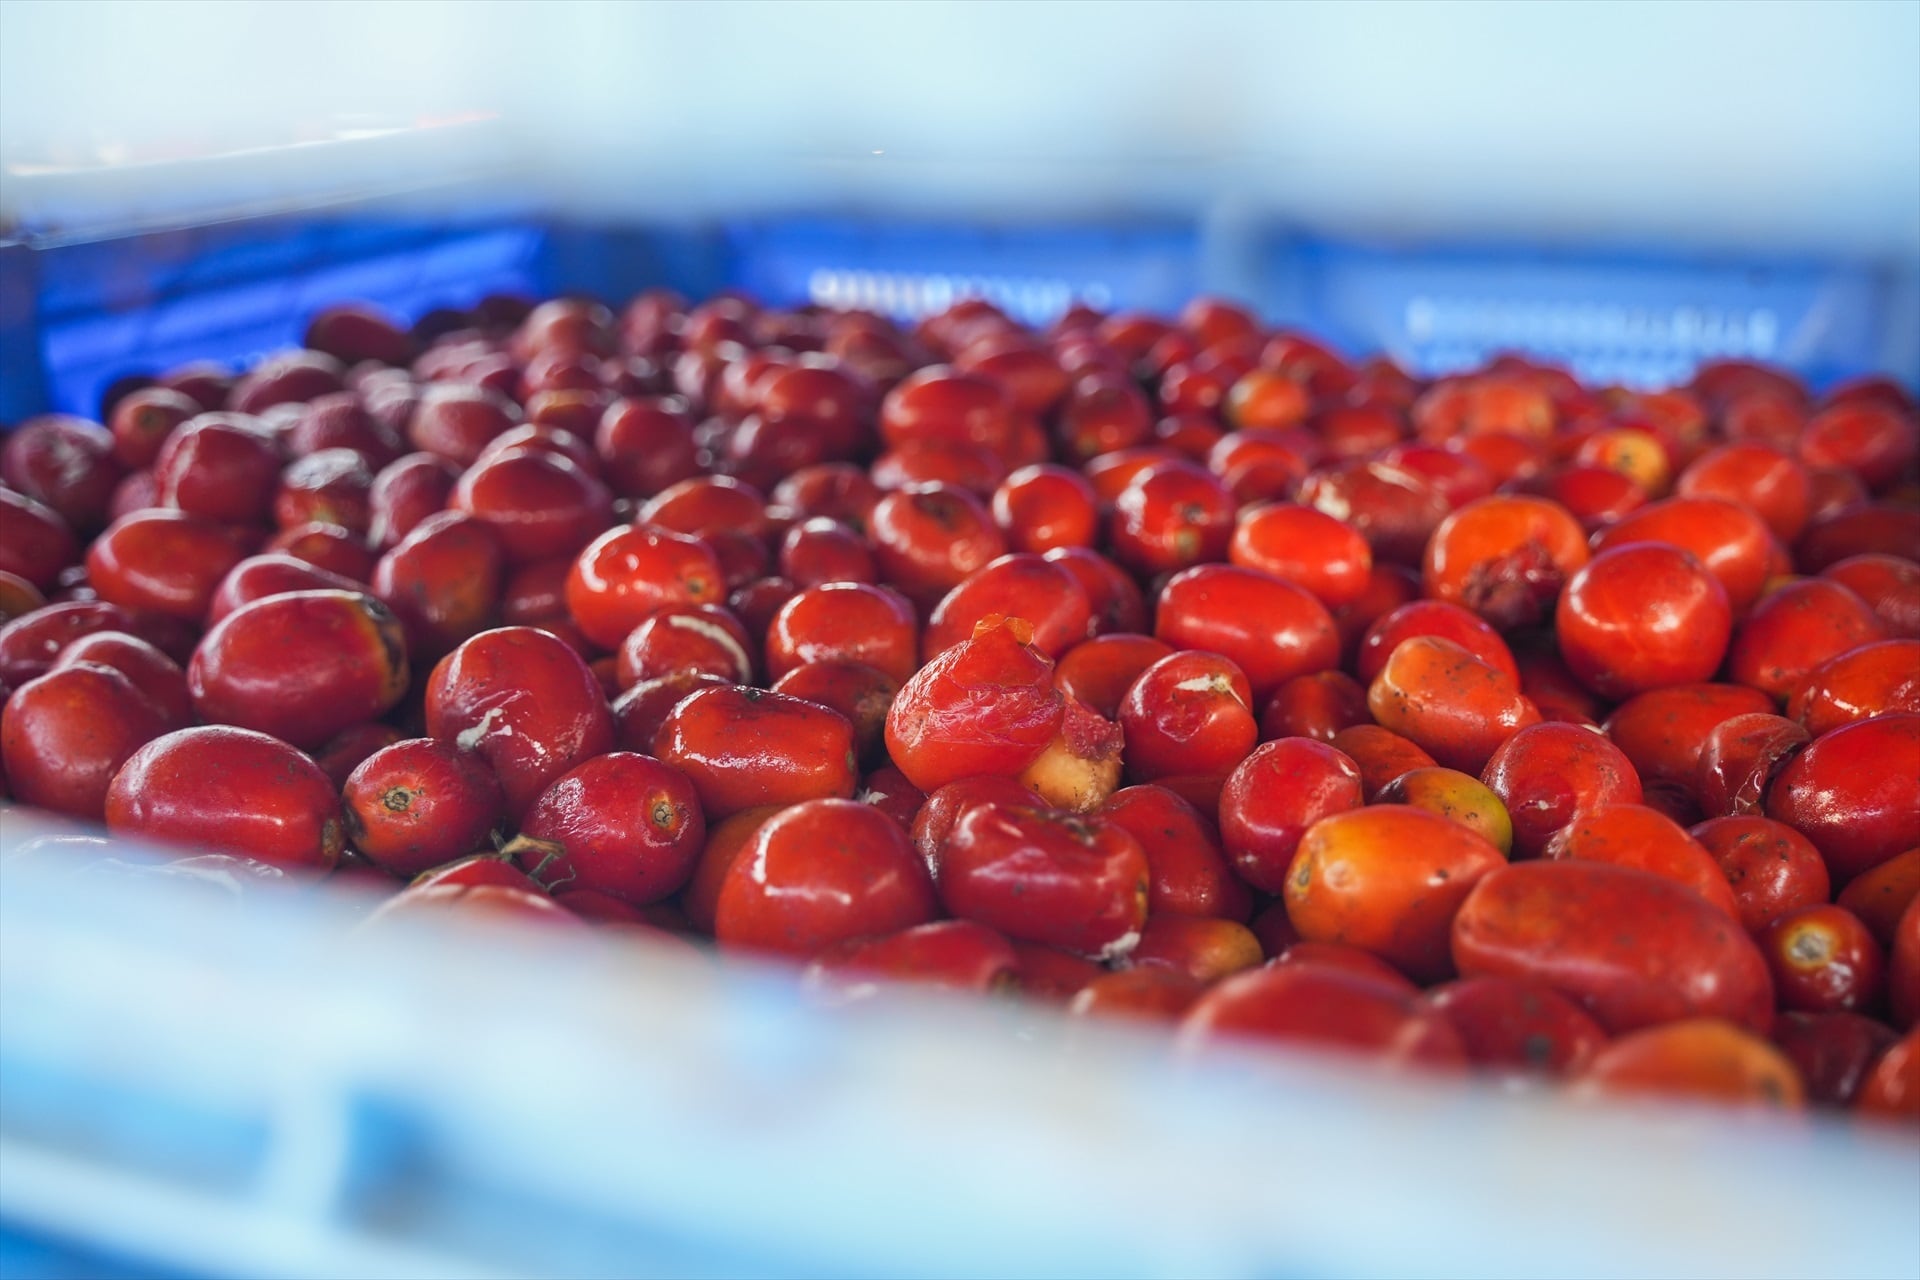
(75, 317)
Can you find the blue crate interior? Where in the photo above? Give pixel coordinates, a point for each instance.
(74, 317)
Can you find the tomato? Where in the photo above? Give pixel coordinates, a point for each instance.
(1632, 835)
(1448, 702)
(1318, 1005)
(1269, 628)
(1823, 959)
(1773, 868)
(415, 805)
(955, 955)
(1519, 1025)
(1198, 947)
(1704, 1058)
(215, 788)
(1633, 948)
(1273, 797)
(1039, 875)
(64, 736)
(1727, 538)
(743, 747)
(1545, 774)
(1642, 616)
(1851, 793)
(619, 824)
(1188, 872)
(1795, 629)
(1457, 797)
(1505, 558)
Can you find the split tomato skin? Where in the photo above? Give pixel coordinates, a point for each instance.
(525, 702)
(742, 747)
(987, 705)
(1389, 879)
(301, 666)
(621, 824)
(1739, 757)
(1041, 875)
(419, 804)
(65, 734)
(1633, 948)
(817, 874)
(1504, 557)
(221, 789)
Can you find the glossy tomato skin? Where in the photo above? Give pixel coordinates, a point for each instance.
(1794, 629)
(1040, 875)
(619, 824)
(1273, 797)
(455, 421)
(1739, 757)
(525, 703)
(1773, 868)
(166, 561)
(1851, 793)
(1042, 507)
(152, 672)
(1023, 585)
(627, 574)
(1824, 960)
(1704, 1058)
(65, 734)
(1387, 878)
(927, 540)
(271, 574)
(1640, 617)
(141, 423)
(1171, 516)
(1662, 732)
(1504, 557)
(1395, 509)
(1546, 773)
(1448, 702)
(326, 546)
(1633, 948)
(220, 467)
(645, 445)
(1188, 715)
(1513, 1024)
(1637, 836)
(1271, 629)
(444, 580)
(819, 549)
(1117, 601)
(955, 955)
(301, 666)
(987, 705)
(418, 804)
(1316, 1004)
(819, 873)
(887, 789)
(1727, 538)
(687, 638)
(1833, 1052)
(227, 790)
(31, 643)
(1305, 547)
(1766, 478)
(540, 503)
(1870, 680)
(845, 621)
(743, 747)
(861, 693)
(64, 462)
(1186, 864)
(1432, 618)
(1100, 670)
(1317, 705)
(934, 820)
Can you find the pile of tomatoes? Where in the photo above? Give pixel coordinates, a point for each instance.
(1172, 670)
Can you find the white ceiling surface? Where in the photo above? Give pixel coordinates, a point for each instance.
(1789, 126)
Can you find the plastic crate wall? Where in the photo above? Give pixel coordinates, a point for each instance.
(74, 318)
